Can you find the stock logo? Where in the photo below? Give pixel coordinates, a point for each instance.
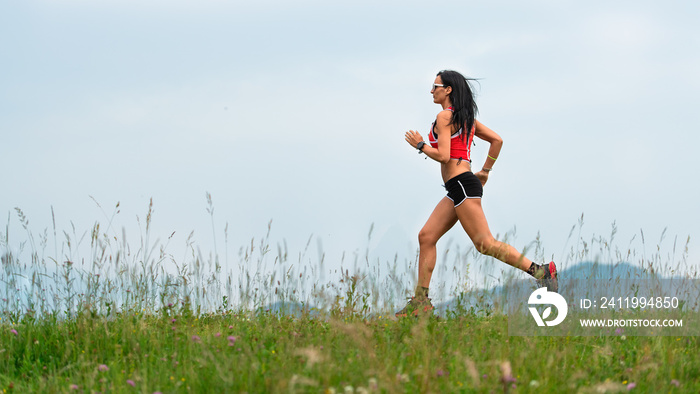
(543, 297)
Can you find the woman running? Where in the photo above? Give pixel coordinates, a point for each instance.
(450, 141)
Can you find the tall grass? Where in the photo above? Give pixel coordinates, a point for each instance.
(114, 275)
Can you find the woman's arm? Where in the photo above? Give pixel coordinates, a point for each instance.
(496, 143)
(442, 128)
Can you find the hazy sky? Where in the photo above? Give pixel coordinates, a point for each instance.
(295, 112)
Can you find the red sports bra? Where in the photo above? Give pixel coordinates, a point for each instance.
(460, 148)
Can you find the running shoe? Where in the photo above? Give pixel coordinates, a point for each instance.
(549, 280)
(416, 306)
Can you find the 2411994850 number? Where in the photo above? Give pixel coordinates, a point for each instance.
(631, 302)
(639, 302)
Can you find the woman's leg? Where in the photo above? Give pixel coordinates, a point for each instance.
(473, 220)
(441, 220)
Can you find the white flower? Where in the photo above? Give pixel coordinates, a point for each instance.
(373, 385)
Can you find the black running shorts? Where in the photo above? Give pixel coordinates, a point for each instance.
(463, 186)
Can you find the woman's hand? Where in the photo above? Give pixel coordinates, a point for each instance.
(483, 176)
(413, 138)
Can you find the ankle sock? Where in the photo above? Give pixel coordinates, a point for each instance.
(421, 292)
(534, 269)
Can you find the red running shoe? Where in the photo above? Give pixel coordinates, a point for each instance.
(416, 306)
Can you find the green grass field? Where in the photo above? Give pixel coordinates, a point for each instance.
(177, 351)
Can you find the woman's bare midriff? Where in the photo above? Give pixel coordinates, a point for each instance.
(451, 169)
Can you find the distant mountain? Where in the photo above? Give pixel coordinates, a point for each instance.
(588, 270)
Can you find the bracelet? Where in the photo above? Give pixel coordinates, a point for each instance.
(487, 169)
(492, 158)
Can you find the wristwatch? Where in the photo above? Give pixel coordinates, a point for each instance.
(420, 146)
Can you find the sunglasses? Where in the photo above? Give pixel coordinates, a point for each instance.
(436, 85)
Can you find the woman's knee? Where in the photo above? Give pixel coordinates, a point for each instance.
(427, 237)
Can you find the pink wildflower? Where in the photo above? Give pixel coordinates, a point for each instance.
(130, 383)
(631, 386)
(675, 382)
(218, 334)
(14, 331)
(74, 387)
(196, 338)
(103, 368)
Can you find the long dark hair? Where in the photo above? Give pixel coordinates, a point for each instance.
(462, 98)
